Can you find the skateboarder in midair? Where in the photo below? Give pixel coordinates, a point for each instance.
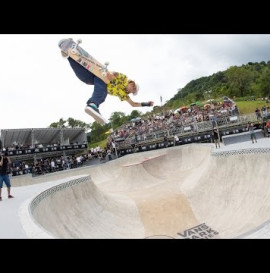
(119, 85)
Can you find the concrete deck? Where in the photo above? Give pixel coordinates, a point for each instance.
(241, 137)
(189, 191)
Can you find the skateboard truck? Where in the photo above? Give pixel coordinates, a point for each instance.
(64, 44)
(74, 46)
(104, 69)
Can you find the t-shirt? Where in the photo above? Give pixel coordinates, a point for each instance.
(4, 167)
(251, 129)
(215, 134)
(117, 86)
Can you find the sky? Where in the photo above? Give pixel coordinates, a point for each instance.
(38, 86)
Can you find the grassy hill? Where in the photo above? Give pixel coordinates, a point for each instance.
(246, 107)
(252, 79)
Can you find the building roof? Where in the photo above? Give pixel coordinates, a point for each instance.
(11, 137)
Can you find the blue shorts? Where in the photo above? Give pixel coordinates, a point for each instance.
(4, 178)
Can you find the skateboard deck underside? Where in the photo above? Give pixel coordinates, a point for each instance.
(90, 64)
(78, 54)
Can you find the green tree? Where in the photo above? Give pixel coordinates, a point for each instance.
(135, 114)
(84, 125)
(53, 125)
(58, 124)
(264, 83)
(72, 122)
(116, 119)
(240, 80)
(97, 132)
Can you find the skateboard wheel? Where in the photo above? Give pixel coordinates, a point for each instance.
(107, 63)
(60, 43)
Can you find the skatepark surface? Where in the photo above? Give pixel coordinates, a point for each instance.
(188, 191)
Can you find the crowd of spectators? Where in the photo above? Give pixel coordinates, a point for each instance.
(186, 119)
(184, 116)
(59, 163)
(262, 113)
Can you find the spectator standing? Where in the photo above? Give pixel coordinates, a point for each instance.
(26, 168)
(109, 153)
(175, 140)
(165, 141)
(250, 127)
(4, 177)
(216, 138)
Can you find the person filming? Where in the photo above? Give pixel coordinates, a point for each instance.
(4, 177)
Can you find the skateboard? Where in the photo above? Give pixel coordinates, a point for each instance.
(95, 115)
(71, 49)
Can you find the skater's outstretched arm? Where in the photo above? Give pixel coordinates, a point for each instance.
(139, 104)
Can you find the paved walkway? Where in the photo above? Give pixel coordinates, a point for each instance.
(262, 143)
(11, 226)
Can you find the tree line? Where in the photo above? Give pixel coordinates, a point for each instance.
(251, 79)
(95, 131)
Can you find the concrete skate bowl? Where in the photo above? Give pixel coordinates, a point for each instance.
(179, 192)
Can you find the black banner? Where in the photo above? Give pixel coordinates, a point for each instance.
(46, 149)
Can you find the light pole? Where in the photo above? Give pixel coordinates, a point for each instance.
(161, 107)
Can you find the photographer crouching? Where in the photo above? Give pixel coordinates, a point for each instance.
(4, 177)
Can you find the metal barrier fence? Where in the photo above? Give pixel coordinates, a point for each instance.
(192, 128)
